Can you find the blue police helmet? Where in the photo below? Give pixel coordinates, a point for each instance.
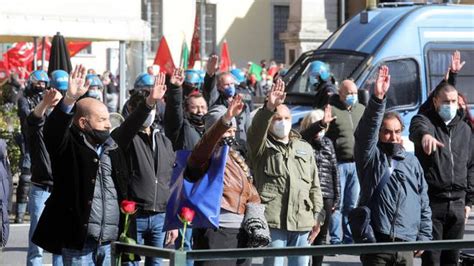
(318, 69)
(144, 80)
(239, 75)
(192, 76)
(60, 80)
(94, 80)
(39, 75)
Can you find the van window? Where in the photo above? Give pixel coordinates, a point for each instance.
(438, 63)
(341, 65)
(404, 83)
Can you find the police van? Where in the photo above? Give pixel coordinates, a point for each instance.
(415, 41)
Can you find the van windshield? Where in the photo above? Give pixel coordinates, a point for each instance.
(342, 66)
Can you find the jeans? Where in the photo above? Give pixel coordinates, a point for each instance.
(91, 254)
(448, 223)
(350, 190)
(37, 198)
(284, 238)
(150, 233)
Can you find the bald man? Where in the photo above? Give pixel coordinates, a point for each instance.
(286, 177)
(81, 217)
(347, 111)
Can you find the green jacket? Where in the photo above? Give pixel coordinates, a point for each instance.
(341, 130)
(286, 177)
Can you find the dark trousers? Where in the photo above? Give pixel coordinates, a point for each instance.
(404, 258)
(321, 238)
(448, 223)
(222, 238)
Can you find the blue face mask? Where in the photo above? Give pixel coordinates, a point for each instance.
(229, 91)
(351, 99)
(447, 111)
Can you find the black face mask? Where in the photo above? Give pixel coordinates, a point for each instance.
(391, 148)
(37, 90)
(229, 141)
(196, 119)
(97, 136)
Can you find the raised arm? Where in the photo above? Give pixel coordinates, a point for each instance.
(198, 161)
(125, 133)
(174, 114)
(58, 122)
(257, 133)
(209, 87)
(367, 132)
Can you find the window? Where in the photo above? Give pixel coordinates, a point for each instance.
(439, 60)
(342, 65)
(86, 51)
(210, 32)
(280, 24)
(404, 83)
(152, 11)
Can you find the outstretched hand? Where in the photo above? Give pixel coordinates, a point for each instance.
(158, 90)
(328, 118)
(430, 144)
(212, 65)
(177, 78)
(235, 108)
(455, 65)
(51, 97)
(77, 84)
(383, 82)
(276, 96)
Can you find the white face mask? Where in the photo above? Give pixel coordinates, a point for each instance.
(281, 128)
(149, 120)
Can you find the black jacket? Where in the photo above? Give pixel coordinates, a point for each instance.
(40, 161)
(325, 156)
(150, 161)
(64, 221)
(449, 171)
(178, 128)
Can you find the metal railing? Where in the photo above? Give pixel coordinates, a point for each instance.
(178, 258)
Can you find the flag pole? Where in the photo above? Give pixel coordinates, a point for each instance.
(202, 30)
(35, 53)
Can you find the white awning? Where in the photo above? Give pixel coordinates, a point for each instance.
(18, 27)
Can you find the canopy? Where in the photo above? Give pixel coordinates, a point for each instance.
(18, 27)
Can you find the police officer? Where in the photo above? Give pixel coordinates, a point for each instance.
(33, 94)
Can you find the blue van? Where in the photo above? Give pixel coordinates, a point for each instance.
(415, 41)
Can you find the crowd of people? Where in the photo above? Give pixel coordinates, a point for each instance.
(308, 183)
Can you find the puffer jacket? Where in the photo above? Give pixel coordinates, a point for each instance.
(401, 210)
(325, 157)
(105, 215)
(238, 187)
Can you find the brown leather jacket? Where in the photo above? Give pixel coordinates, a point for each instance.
(238, 189)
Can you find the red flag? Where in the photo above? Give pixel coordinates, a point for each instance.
(76, 47)
(225, 57)
(194, 54)
(163, 57)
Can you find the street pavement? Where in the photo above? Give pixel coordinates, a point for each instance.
(15, 251)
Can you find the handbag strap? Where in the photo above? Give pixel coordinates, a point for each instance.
(384, 179)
